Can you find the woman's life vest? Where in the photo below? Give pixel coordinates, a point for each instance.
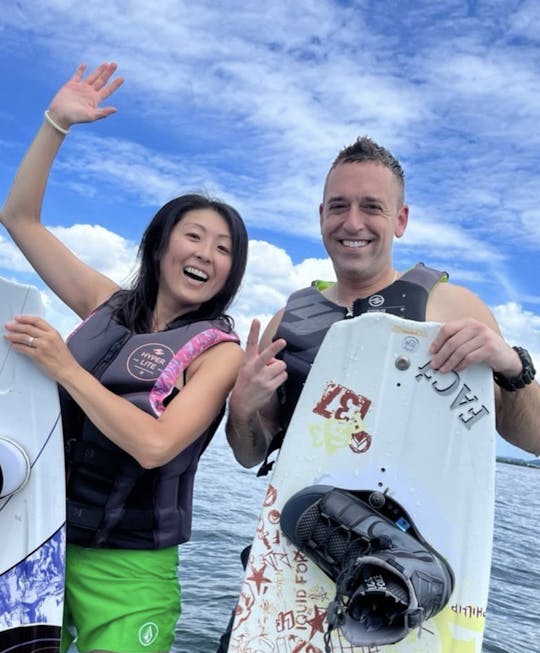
(112, 501)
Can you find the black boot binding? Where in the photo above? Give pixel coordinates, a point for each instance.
(388, 578)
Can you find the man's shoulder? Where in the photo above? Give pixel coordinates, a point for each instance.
(450, 301)
(271, 329)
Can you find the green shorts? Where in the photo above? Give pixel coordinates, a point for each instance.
(119, 600)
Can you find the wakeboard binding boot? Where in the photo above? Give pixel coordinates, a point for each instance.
(388, 578)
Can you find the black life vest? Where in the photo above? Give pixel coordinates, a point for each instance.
(112, 501)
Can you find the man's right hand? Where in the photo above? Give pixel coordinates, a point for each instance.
(261, 373)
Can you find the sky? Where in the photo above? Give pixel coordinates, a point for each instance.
(252, 104)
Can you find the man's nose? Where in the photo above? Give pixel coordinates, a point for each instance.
(355, 219)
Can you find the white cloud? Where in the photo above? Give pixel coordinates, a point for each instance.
(140, 171)
(11, 259)
(426, 232)
(101, 249)
(58, 314)
(520, 327)
(270, 278)
(524, 22)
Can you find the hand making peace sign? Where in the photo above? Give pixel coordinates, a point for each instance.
(260, 374)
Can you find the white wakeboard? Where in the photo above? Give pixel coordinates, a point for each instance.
(32, 519)
(373, 415)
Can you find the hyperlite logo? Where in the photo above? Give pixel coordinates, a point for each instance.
(148, 633)
(148, 361)
(376, 300)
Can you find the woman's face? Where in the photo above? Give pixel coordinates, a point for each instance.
(196, 262)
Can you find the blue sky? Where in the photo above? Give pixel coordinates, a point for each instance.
(253, 104)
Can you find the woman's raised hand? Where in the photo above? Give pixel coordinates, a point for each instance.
(79, 99)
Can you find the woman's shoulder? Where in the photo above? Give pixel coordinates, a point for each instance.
(224, 358)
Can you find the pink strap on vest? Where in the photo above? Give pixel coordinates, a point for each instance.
(181, 361)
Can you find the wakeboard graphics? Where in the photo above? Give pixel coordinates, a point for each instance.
(32, 518)
(374, 415)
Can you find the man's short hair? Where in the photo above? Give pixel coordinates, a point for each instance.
(366, 149)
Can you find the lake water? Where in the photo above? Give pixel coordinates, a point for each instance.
(227, 503)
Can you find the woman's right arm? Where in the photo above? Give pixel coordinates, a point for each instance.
(81, 287)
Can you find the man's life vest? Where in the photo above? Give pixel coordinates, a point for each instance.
(112, 501)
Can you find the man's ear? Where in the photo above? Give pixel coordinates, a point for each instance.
(401, 222)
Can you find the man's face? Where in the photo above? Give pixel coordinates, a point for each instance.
(361, 213)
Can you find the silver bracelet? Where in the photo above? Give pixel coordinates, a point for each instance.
(55, 124)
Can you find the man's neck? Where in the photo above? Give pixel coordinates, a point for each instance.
(344, 292)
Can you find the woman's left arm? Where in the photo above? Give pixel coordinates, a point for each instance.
(151, 441)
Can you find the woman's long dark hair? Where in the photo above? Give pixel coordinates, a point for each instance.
(135, 307)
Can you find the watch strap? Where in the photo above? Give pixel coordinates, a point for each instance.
(525, 377)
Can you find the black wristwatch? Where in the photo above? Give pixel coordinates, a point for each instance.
(527, 373)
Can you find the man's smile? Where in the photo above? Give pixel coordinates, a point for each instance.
(354, 243)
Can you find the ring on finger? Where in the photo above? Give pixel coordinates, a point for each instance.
(31, 341)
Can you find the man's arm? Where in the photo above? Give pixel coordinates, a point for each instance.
(518, 417)
(470, 335)
(253, 404)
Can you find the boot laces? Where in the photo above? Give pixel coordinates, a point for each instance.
(337, 543)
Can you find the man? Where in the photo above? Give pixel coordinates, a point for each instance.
(363, 210)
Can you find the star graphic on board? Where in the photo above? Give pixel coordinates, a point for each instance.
(277, 559)
(264, 536)
(316, 622)
(258, 577)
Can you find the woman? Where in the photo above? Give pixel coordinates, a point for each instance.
(143, 386)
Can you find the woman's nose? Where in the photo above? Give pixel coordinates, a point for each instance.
(204, 252)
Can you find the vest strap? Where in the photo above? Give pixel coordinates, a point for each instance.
(91, 518)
